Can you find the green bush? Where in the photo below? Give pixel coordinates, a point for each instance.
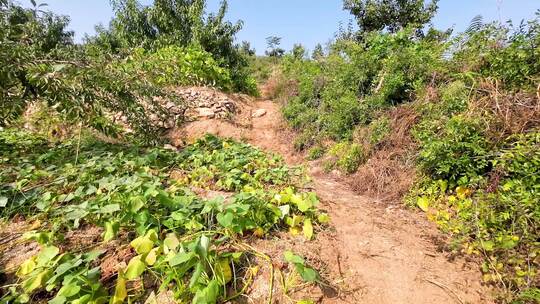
(378, 130)
(456, 151)
(356, 80)
(316, 152)
(501, 220)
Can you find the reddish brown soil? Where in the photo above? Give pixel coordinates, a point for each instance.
(373, 252)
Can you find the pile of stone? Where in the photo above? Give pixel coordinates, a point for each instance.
(207, 103)
(195, 103)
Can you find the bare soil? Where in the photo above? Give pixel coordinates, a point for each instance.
(374, 252)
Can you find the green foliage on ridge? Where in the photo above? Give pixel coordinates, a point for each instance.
(475, 127)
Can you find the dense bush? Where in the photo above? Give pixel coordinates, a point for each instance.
(356, 80)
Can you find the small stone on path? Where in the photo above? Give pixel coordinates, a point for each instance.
(259, 113)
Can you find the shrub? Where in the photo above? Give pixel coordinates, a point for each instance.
(500, 221)
(457, 151)
(349, 156)
(316, 152)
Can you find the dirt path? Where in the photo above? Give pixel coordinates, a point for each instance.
(383, 254)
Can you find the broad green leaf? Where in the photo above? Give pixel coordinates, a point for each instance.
(226, 219)
(136, 203)
(135, 268)
(208, 295)
(92, 255)
(108, 209)
(58, 300)
(69, 290)
(323, 218)
(302, 204)
(308, 274)
(47, 254)
(83, 300)
(308, 229)
(293, 258)
(423, 203)
(181, 258)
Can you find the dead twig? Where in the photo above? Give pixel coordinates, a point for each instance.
(447, 289)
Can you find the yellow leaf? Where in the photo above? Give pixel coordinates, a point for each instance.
(258, 232)
(308, 229)
(463, 192)
(254, 270)
(120, 291)
(223, 271)
(151, 257)
(295, 230)
(423, 203)
(27, 267)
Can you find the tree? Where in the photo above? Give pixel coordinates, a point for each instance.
(318, 52)
(40, 63)
(175, 23)
(247, 49)
(298, 51)
(273, 49)
(391, 15)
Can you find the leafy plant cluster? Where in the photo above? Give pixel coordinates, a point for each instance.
(145, 197)
(176, 66)
(476, 176)
(115, 71)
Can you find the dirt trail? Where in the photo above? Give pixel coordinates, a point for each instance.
(384, 254)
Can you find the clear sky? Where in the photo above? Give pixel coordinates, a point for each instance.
(304, 21)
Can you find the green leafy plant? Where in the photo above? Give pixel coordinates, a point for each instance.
(180, 236)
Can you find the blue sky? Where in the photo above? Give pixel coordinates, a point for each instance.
(304, 21)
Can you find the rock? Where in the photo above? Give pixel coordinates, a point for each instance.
(170, 147)
(259, 113)
(205, 113)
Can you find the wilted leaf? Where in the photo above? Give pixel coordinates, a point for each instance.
(135, 268)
